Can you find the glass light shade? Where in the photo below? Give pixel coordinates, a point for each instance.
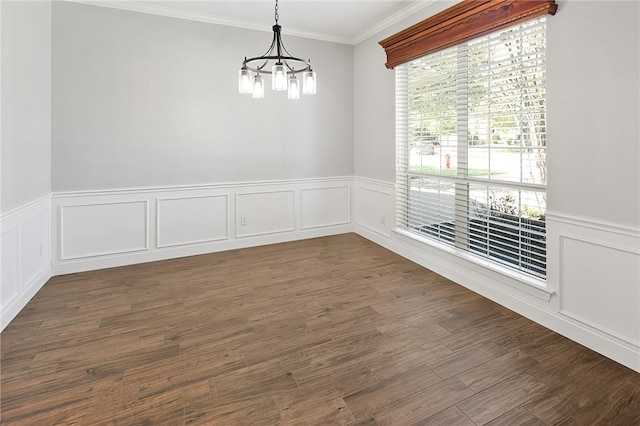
(309, 82)
(258, 86)
(279, 77)
(294, 88)
(245, 82)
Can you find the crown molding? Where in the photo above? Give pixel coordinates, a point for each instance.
(412, 8)
(172, 12)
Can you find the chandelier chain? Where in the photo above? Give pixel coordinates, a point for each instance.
(277, 15)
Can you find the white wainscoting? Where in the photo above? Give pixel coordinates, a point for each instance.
(10, 287)
(90, 230)
(374, 205)
(26, 261)
(611, 304)
(99, 229)
(592, 294)
(321, 207)
(597, 276)
(265, 212)
(191, 220)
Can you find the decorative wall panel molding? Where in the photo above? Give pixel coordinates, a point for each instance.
(325, 206)
(10, 286)
(610, 307)
(265, 212)
(26, 261)
(375, 206)
(35, 245)
(89, 230)
(191, 220)
(597, 275)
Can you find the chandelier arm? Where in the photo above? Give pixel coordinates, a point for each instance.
(289, 66)
(270, 49)
(260, 67)
(283, 47)
(291, 69)
(266, 54)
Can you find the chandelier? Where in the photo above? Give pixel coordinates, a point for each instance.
(284, 69)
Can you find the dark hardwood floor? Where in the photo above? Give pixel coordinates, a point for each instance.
(327, 331)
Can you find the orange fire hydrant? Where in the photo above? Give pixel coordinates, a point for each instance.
(447, 161)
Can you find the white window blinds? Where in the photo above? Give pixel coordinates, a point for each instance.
(471, 147)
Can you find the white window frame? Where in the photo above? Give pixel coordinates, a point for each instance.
(459, 244)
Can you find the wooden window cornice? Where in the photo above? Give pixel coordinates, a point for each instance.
(459, 23)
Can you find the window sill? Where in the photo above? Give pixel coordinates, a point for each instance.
(530, 285)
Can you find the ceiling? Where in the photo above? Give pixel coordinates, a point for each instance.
(342, 21)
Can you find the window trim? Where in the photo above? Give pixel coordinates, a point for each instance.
(460, 23)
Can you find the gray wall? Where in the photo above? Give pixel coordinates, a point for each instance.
(593, 69)
(26, 102)
(374, 102)
(142, 100)
(593, 98)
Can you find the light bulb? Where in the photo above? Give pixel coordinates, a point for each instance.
(309, 82)
(279, 77)
(245, 81)
(258, 86)
(294, 88)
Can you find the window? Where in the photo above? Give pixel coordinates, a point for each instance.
(471, 147)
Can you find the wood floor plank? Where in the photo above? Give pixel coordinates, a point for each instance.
(272, 345)
(501, 398)
(363, 421)
(250, 412)
(375, 398)
(267, 379)
(423, 404)
(517, 416)
(457, 362)
(496, 370)
(484, 336)
(449, 417)
(547, 346)
(333, 330)
(602, 396)
(183, 375)
(564, 365)
(321, 407)
(348, 379)
(389, 368)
